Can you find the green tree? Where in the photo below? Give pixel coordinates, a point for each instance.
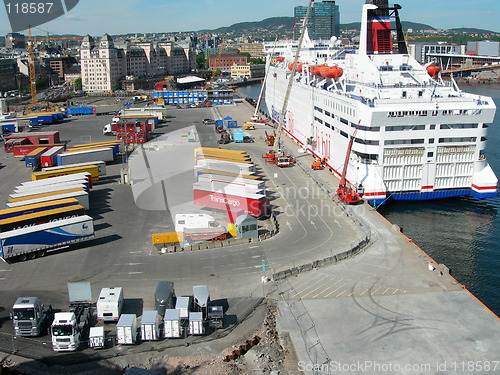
(200, 61)
(78, 84)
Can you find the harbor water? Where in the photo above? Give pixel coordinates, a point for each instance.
(462, 233)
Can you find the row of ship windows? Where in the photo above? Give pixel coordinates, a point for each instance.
(446, 112)
(392, 128)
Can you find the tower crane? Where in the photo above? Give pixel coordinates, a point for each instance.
(276, 155)
(217, 60)
(31, 64)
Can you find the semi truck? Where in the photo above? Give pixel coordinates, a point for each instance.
(30, 317)
(103, 154)
(29, 209)
(68, 329)
(31, 242)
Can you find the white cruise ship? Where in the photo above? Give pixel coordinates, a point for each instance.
(418, 137)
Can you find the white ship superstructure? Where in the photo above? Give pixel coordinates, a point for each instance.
(418, 137)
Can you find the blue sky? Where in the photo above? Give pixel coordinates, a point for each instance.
(130, 16)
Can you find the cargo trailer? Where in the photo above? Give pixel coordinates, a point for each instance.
(49, 157)
(92, 169)
(10, 144)
(32, 159)
(82, 176)
(230, 188)
(97, 339)
(251, 204)
(102, 154)
(81, 196)
(49, 188)
(196, 326)
(238, 181)
(150, 326)
(42, 217)
(164, 296)
(183, 304)
(23, 150)
(107, 109)
(109, 304)
(95, 144)
(116, 147)
(33, 208)
(172, 327)
(126, 329)
(200, 171)
(101, 167)
(226, 166)
(35, 195)
(34, 241)
(201, 298)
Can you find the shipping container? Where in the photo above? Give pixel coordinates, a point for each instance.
(101, 167)
(150, 326)
(109, 304)
(9, 144)
(102, 154)
(261, 185)
(126, 329)
(251, 204)
(92, 169)
(49, 157)
(42, 138)
(232, 186)
(172, 327)
(42, 217)
(39, 207)
(32, 159)
(82, 196)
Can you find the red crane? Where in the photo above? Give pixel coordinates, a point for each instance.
(345, 192)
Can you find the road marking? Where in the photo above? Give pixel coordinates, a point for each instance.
(5, 270)
(385, 291)
(342, 292)
(135, 252)
(323, 291)
(321, 286)
(253, 247)
(289, 225)
(336, 222)
(317, 281)
(256, 256)
(314, 225)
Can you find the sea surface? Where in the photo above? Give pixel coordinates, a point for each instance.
(462, 233)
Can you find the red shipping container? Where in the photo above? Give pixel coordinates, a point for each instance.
(23, 150)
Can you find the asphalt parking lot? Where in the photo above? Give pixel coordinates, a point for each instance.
(122, 255)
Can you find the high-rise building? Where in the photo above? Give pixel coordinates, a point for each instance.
(323, 23)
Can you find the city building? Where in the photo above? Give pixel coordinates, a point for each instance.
(8, 70)
(15, 40)
(254, 49)
(225, 61)
(248, 71)
(105, 65)
(323, 23)
(483, 48)
(423, 51)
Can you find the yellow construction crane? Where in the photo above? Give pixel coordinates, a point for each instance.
(31, 64)
(217, 60)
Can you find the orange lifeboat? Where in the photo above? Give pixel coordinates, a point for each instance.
(290, 66)
(432, 70)
(322, 70)
(298, 68)
(315, 69)
(280, 58)
(331, 72)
